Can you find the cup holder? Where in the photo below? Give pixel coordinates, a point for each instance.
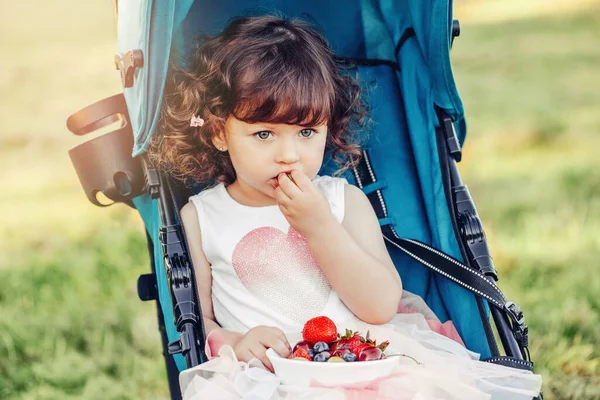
(104, 164)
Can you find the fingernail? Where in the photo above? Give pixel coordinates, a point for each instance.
(291, 179)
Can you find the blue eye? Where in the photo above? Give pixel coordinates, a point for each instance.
(307, 133)
(263, 135)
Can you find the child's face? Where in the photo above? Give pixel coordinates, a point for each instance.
(261, 151)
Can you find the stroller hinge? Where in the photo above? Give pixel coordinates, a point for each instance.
(179, 276)
(185, 310)
(471, 231)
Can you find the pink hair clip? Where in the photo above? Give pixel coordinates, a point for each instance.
(196, 121)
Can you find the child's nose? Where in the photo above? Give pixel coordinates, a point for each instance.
(287, 152)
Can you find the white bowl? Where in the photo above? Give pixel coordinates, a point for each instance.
(305, 373)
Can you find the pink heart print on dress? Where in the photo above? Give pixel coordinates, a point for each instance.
(280, 271)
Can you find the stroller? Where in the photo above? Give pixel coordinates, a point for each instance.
(408, 170)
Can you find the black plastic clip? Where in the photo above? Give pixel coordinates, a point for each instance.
(451, 137)
(127, 64)
(519, 328)
(152, 179)
(181, 345)
(455, 30)
(147, 287)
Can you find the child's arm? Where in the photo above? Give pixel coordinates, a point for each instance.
(356, 262)
(254, 343)
(352, 255)
(189, 219)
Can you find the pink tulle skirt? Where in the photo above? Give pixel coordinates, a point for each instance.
(435, 365)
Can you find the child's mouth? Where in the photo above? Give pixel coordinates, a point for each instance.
(275, 180)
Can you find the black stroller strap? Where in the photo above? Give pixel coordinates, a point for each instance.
(482, 286)
(432, 258)
(470, 279)
(511, 362)
(449, 267)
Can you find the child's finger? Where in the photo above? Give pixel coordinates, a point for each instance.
(301, 180)
(281, 335)
(259, 352)
(277, 344)
(290, 176)
(281, 197)
(289, 187)
(245, 355)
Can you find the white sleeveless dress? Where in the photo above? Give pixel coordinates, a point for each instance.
(264, 274)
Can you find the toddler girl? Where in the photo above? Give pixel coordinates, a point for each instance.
(273, 244)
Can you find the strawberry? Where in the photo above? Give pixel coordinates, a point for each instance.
(319, 329)
(302, 353)
(350, 339)
(355, 342)
(361, 347)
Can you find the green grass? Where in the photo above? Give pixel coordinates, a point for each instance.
(68, 318)
(71, 326)
(530, 88)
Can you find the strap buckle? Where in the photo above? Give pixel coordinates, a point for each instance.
(515, 313)
(519, 327)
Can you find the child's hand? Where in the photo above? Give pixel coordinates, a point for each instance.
(302, 203)
(256, 341)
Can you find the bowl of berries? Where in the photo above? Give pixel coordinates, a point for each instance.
(326, 357)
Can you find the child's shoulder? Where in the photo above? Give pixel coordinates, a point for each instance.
(205, 194)
(204, 199)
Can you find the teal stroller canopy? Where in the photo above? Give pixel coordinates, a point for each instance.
(401, 50)
(359, 29)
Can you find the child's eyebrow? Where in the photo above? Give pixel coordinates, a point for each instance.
(261, 124)
(272, 126)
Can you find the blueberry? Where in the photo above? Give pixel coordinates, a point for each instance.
(349, 357)
(320, 347)
(322, 357)
(311, 353)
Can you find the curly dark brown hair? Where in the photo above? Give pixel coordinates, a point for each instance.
(259, 69)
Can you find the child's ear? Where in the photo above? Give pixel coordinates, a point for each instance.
(219, 142)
